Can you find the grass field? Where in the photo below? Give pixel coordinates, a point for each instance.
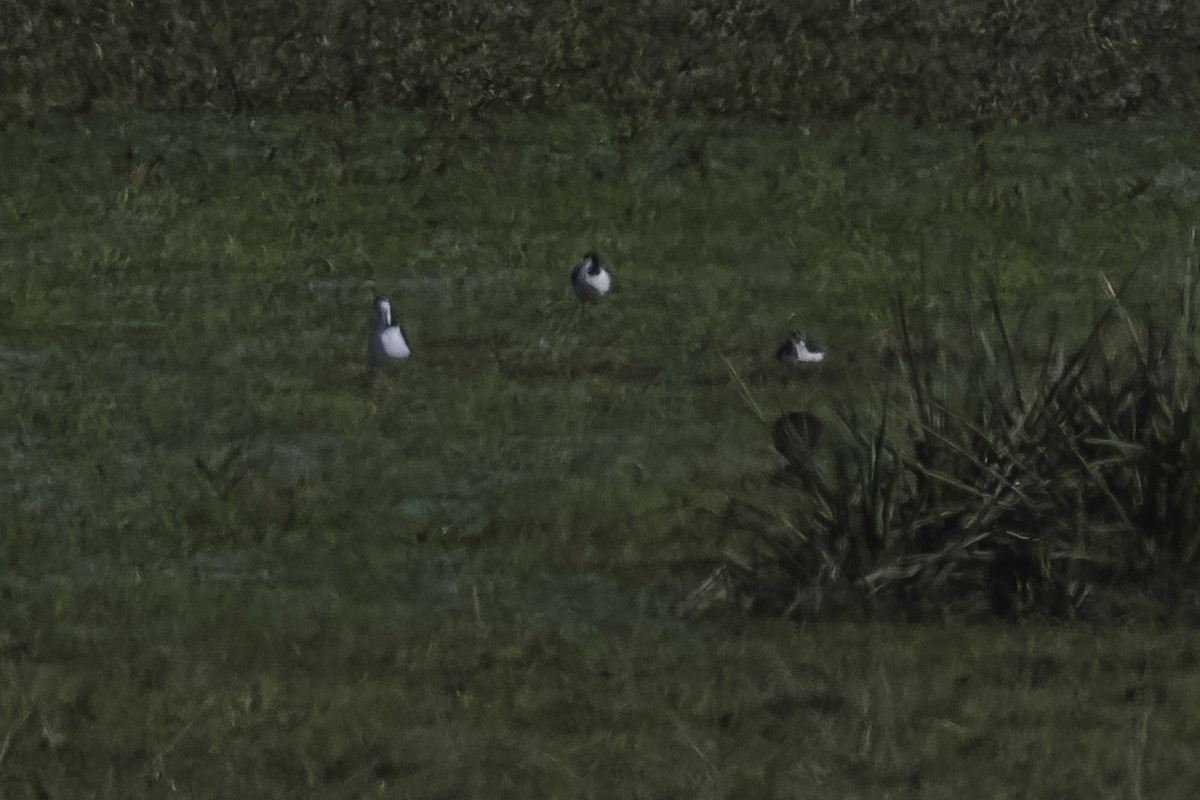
(234, 566)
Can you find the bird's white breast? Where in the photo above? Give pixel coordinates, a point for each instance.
(806, 356)
(601, 282)
(388, 345)
(393, 343)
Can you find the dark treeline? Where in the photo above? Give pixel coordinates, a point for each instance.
(936, 60)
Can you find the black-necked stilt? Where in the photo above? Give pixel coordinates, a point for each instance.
(387, 345)
(590, 280)
(796, 350)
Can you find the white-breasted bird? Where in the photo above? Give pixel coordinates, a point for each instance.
(796, 350)
(590, 279)
(387, 345)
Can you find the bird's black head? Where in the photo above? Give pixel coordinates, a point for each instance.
(591, 260)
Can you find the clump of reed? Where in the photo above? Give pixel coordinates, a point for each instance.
(1010, 473)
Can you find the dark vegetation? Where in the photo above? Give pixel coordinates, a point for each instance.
(979, 61)
(1010, 475)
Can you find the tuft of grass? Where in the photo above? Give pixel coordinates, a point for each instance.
(1007, 479)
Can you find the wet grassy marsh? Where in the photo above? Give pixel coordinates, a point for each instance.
(233, 565)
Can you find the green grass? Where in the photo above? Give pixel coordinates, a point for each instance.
(233, 567)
